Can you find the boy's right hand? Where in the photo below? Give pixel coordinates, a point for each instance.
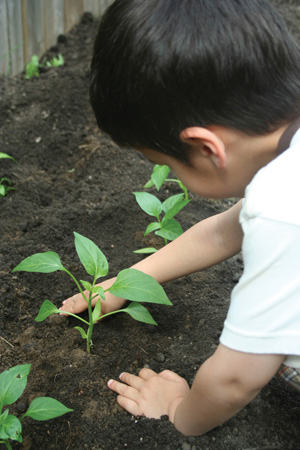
(76, 304)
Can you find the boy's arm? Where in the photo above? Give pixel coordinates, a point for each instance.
(224, 384)
(207, 243)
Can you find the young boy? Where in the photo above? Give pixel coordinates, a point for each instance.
(212, 89)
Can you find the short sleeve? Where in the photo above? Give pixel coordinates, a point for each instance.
(264, 313)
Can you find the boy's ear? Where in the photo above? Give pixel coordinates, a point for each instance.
(205, 143)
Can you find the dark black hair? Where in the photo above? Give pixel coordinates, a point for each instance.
(160, 66)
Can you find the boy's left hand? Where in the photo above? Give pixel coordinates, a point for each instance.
(150, 394)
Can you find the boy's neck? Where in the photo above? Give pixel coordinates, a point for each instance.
(287, 136)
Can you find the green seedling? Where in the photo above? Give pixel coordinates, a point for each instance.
(56, 61)
(5, 183)
(130, 284)
(159, 176)
(12, 385)
(165, 225)
(33, 67)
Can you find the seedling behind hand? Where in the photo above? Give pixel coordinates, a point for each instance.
(165, 226)
(12, 384)
(130, 284)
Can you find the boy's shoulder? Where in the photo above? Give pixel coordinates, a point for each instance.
(274, 191)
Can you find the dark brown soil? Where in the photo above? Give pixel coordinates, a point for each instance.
(68, 177)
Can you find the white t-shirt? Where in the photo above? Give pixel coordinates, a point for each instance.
(264, 313)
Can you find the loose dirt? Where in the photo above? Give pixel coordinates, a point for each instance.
(69, 177)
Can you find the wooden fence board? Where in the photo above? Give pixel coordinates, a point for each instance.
(32, 28)
(91, 6)
(73, 12)
(15, 35)
(53, 21)
(4, 43)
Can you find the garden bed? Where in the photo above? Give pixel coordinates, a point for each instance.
(69, 177)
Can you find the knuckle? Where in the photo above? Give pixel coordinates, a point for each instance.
(142, 371)
(122, 389)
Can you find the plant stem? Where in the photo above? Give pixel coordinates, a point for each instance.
(7, 444)
(159, 221)
(91, 325)
(110, 313)
(73, 315)
(77, 284)
(182, 186)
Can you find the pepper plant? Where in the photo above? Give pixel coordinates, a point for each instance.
(5, 183)
(130, 284)
(165, 225)
(33, 67)
(12, 384)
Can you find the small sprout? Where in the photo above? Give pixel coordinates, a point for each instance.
(5, 183)
(32, 68)
(12, 385)
(131, 284)
(56, 61)
(165, 225)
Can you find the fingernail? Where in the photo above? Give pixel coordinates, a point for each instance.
(109, 382)
(65, 301)
(121, 374)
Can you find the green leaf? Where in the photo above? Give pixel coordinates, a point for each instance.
(10, 427)
(146, 250)
(88, 286)
(96, 311)
(46, 310)
(56, 61)
(100, 291)
(5, 180)
(93, 289)
(152, 227)
(175, 208)
(140, 313)
(45, 408)
(148, 185)
(2, 191)
(159, 175)
(12, 383)
(149, 203)
(82, 332)
(40, 262)
(32, 68)
(5, 155)
(171, 230)
(91, 257)
(139, 287)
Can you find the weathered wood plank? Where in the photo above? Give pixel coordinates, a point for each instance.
(4, 42)
(32, 12)
(91, 6)
(15, 35)
(53, 17)
(73, 12)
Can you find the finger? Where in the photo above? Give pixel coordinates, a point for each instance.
(129, 405)
(123, 390)
(146, 374)
(131, 380)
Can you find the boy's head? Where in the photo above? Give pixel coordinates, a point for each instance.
(160, 66)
